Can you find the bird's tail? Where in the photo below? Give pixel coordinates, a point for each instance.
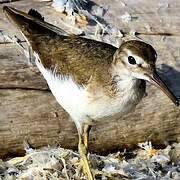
(31, 22)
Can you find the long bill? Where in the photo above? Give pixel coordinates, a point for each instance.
(157, 81)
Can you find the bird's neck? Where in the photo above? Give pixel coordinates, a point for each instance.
(122, 78)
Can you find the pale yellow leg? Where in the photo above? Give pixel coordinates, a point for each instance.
(86, 134)
(83, 150)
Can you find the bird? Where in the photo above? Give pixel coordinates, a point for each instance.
(91, 80)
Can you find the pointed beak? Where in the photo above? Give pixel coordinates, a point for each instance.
(157, 81)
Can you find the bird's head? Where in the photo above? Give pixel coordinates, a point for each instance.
(138, 59)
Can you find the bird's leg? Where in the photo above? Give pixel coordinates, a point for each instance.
(83, 150)
(87, 129)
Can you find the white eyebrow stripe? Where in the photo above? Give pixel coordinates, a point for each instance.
(138, 59)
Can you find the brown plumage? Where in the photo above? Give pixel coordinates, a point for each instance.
(92, 80)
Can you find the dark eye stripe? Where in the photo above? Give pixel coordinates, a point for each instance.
(131, 60)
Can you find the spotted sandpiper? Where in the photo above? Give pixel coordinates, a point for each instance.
(91, 80)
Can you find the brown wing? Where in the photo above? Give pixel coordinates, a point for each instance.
(76, 56)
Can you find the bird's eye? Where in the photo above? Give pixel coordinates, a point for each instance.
(131, 60)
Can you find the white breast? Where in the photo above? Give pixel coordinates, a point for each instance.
(108, 107)
(67, 93)
(75, 99)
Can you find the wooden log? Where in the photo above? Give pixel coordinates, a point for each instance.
(29, 112)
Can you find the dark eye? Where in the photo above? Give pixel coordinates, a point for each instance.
(131, 60)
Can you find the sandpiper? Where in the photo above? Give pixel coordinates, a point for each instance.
(91, 80)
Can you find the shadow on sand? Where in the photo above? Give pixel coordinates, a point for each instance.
(171, 77)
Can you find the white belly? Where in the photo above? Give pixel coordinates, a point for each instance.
(75, 99)
(70, 96)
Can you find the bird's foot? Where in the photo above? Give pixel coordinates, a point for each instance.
(84, 163)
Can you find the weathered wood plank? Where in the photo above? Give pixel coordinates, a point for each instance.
(33, 116)
(15, 71)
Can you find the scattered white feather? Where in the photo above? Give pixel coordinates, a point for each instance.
(108, 168)
(59, 5)
(101, 32)
(146, 145)
(126, 18)
(68, 6)
(58, 163)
